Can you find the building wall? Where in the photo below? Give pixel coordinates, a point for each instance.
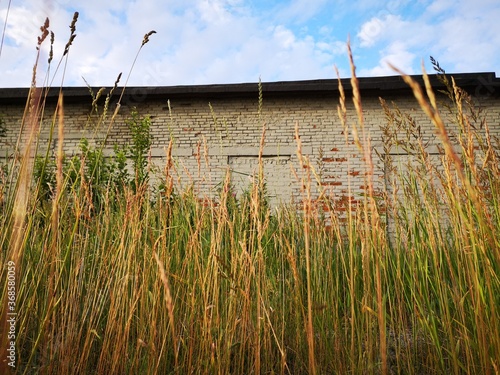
(216, 135)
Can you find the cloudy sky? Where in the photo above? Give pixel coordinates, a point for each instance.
(229, 41)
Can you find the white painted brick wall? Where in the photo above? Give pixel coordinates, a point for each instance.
(233, 138)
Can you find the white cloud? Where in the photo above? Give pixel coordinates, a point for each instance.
(284, 37)
(214, 11)
(370, 31)
(216, 42)
(463, 36)
(469, 39)
(377, 29)
(300, 10)
(397, 55)
(24, 25)
(439, 6)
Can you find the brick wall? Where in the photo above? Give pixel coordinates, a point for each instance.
(216, 133)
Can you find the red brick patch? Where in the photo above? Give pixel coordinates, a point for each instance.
(333, 183)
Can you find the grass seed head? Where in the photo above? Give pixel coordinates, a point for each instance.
(146, 37)
(72, 35)
(45, 31)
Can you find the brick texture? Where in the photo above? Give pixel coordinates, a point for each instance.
(214, 134)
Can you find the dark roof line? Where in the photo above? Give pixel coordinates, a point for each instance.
(479, 83)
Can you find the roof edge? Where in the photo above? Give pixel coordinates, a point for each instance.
(485, 83)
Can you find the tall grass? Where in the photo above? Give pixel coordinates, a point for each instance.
(129, 279)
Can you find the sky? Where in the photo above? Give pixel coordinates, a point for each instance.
(233, 41)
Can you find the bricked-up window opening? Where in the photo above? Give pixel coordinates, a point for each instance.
(277, 175)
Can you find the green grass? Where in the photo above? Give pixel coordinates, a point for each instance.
(139, 280)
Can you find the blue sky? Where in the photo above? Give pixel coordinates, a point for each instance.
(229, 41)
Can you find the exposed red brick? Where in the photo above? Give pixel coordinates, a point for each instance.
(333, 183)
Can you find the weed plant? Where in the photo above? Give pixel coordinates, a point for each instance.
(114, 277)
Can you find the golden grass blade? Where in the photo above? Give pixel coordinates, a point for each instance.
(169, 303)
